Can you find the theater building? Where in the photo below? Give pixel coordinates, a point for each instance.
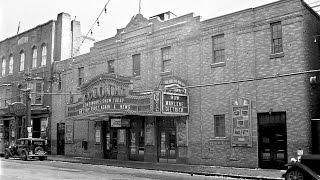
(233, 90)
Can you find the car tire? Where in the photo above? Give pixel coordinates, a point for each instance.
(41, 158)
(24, 156)
(295, 174)
(6, 155)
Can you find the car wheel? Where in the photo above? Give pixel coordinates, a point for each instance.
(294, 174)
(6, 155)
(41, 158)
(24, 156)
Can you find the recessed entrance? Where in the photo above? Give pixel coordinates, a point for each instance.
(272, 137)
(167, 140)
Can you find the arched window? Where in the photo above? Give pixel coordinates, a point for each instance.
(22, 58)
(3, 69)
(44, 55)
(34, 57)
(11, 64)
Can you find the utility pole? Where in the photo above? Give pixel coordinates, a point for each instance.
(28, 113)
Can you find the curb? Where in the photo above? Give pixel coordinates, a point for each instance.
(164, 169)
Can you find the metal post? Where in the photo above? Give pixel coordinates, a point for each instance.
(28, 114)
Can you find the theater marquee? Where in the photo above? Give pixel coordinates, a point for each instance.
(109, 94)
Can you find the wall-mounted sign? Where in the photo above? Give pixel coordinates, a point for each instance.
(241, 123)
(18, 108)
(177, 104)
(69, 133)
(117, 122)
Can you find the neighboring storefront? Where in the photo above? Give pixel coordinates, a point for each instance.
(149, 126)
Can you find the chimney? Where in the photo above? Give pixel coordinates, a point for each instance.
(63, 37)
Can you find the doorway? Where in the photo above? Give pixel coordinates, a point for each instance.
(167, 140)
(272, 140)
(110, 141)
(36, 127)
(60, 138)
(136, 139)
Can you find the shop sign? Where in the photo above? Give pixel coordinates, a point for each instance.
(176, 104)
(241, 123)
(18, 108)
(156, 102)
(117, 122)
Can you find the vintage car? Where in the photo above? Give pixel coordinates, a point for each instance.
(27, 148)
(307, 167)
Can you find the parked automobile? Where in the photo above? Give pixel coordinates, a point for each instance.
(307, 167)
(27, 148)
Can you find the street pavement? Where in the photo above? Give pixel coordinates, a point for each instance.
(16, 169)
(231, 172)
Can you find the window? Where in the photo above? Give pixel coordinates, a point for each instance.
(219, 126)
(111, 66)
(22, 58)
(3, 69)
(80, 75)
(166, 59)
(5, 97)
(36, 92)
(44, 55)
(11, 64)
(34, 57)
(218, 44)
(276, 39)
(136, 64)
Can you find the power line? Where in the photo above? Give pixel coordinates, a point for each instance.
(94, 23)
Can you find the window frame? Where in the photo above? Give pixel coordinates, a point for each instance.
(34, 57)
(165, 58)
(22, 61)
(218, 47)
(276, 36)
(111, 69)
(80, 76)
(218, 133)
(136, 65)
(10, 71)
(3, 67)
(43, 55)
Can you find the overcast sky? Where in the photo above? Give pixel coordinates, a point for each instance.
(31, 13)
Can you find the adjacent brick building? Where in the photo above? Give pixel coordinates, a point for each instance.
(229, 91)
(26, 63)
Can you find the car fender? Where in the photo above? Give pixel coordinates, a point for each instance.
(304, 168)
(8, 150)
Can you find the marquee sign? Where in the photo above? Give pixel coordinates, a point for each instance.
(109, 93)
(175, 104)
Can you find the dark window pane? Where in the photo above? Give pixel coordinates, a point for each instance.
(218, 48)
(136, 64)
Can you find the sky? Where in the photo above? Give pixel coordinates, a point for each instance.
(31, 13)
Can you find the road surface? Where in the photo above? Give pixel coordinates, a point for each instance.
(14, 169)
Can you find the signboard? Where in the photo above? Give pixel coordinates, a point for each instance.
(116, 104)
(177, 104)
(241, 123)
(117, 122)
(18, 108)
(69, 133)
(98, 136)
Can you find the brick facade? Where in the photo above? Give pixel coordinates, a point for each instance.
(272, 82)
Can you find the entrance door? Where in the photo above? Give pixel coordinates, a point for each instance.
(136, 139)
(36, 127)
(272, 140)
(315, 129)
(60, 138)
(110, 141)
(167, 140)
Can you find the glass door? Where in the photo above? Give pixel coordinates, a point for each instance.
(167, 140)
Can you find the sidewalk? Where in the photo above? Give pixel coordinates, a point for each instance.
(245, 173)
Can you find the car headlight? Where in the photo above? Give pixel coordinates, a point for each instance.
(293, 160)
